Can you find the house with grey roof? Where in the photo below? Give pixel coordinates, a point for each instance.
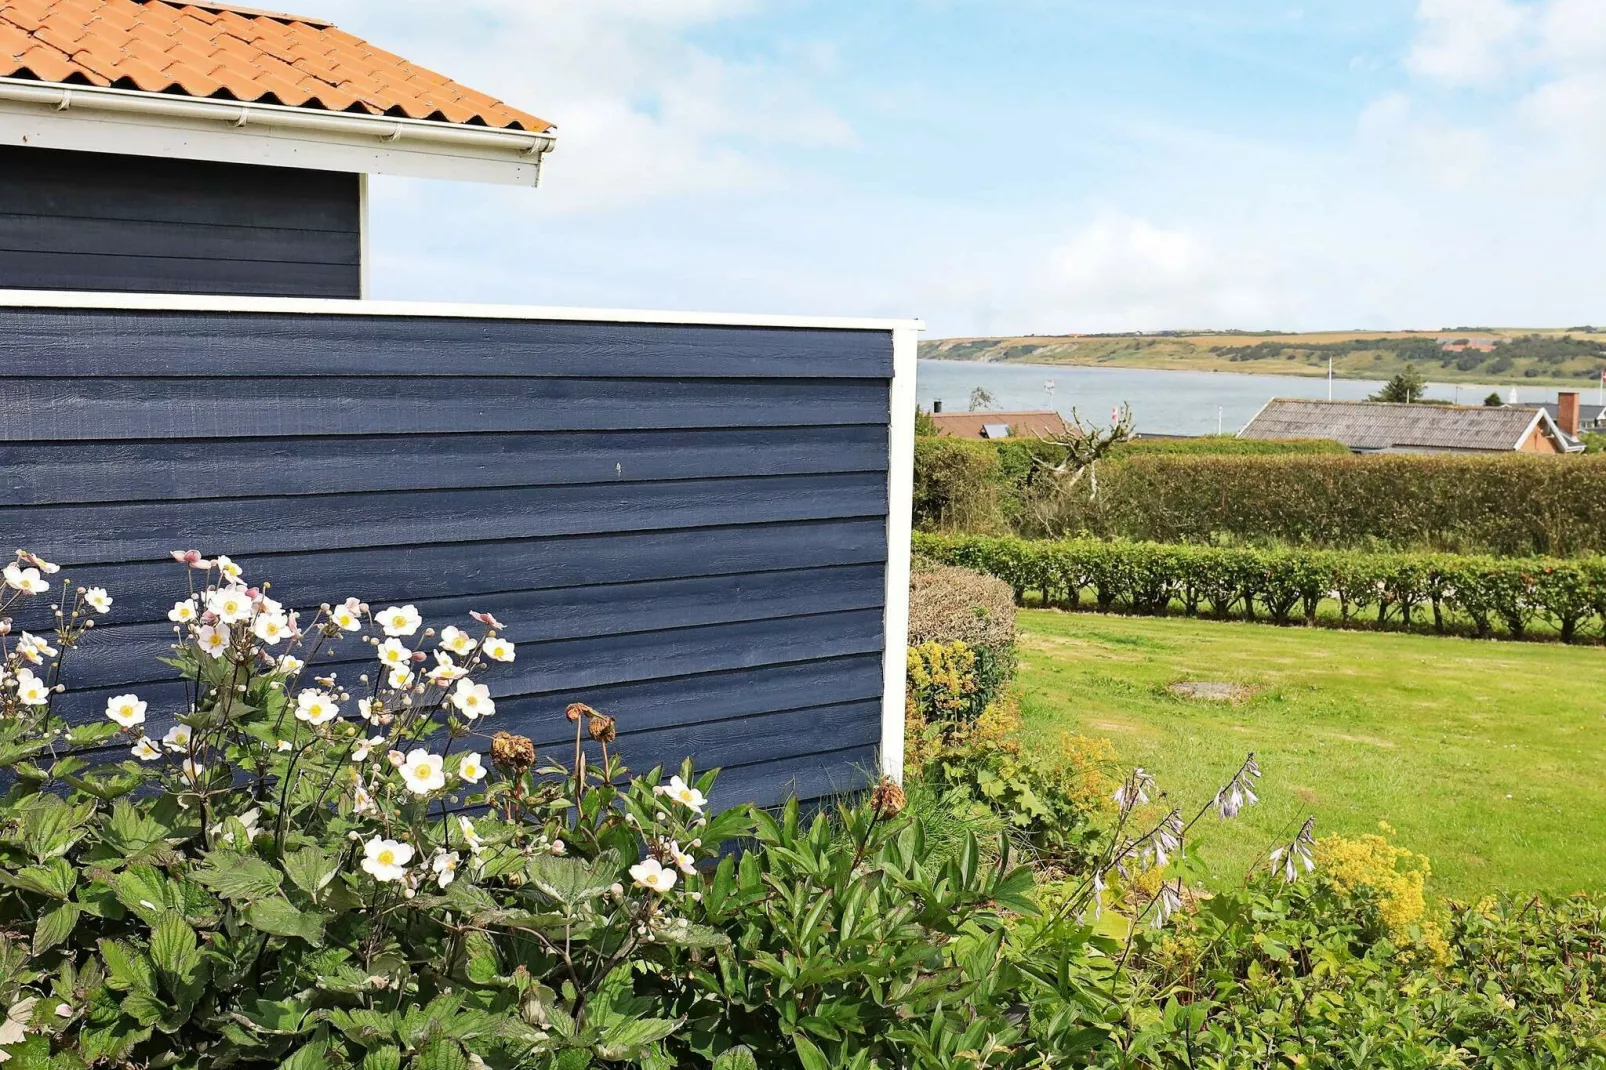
(1571, 415)
(1387, 427)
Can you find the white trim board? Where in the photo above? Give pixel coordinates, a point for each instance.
(127, 122)
(900, 506)
(321, 306)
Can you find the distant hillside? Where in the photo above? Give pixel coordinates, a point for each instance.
(1573, 356)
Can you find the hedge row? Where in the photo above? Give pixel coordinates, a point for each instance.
(1484, 596)
(1229, 446)
(1511, 504)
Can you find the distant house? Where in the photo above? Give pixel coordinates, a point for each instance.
(1382, 427)
(1571, 415)
(996, 425)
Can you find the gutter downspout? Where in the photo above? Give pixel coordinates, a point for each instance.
(532, 146)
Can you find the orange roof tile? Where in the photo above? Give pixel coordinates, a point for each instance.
(227, 51)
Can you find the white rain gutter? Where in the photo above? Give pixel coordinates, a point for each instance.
(380, 131)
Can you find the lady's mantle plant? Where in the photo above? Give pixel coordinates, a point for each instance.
(319, 858)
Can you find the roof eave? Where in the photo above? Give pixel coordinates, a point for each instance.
(137, 123)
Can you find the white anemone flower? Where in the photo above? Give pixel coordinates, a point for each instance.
(456, 639)
(177, 738)
(446, 670)
(31, 691)
(370, 710)
(316, 707)
(473, 700)
(394, 653)
(365, 747)
(35, 649)
(98, 600)
(347, 616)
(214, 638)
(194, 770)
(146, 750)
(445, 867)
(471, 768)
(231, 604)
(400, 678)
(26, 580)
(229, 570)
(126, 710)
(362, 802)
(470, 836)
(683, 793)
(289, 664)
(683, 861)
(386, 860)
(271, 628)
(400, 620)
(182, 612)
(650, 874)
(423, 772)
(498, 649)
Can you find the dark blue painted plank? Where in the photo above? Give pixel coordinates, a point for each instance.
(145, 591)
(791, 734)
(49, 473)
(146, 532)
(592, 663)
(157, 274)
(114, 652)
(66, 342)
(88, 185)
(104, 409)
(140, 238)
(815, 776)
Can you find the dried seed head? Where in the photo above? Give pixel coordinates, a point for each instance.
(602, 728)
(514, 754)
(887, 800)
(578, 710)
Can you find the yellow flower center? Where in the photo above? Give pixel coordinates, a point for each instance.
(422, 771)
(387, 858)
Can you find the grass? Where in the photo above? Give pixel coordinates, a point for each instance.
(1489, 758)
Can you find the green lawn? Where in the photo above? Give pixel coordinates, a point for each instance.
(1488, 757)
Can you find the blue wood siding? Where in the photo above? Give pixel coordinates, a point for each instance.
(682, 526)
(95, 221)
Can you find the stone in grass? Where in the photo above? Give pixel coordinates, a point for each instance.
(1210, 690)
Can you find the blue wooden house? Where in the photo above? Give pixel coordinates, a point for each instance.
(697, 523)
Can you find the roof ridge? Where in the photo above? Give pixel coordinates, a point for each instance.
(250, 12)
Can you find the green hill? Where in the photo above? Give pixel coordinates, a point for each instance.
(1569, 357)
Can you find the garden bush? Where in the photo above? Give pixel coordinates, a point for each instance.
(1483, 596)
(955, 605)
(1510, 505)
(958, 486)
(1228, 446)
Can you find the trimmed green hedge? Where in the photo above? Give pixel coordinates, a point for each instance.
(1484, 596)
(1229, 446)
(1511, 505)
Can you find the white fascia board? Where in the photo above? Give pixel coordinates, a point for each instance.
(900, 507)
(133, 123)
(320, 306)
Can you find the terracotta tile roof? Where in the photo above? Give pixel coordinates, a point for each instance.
(1020, 424)
(231, 52)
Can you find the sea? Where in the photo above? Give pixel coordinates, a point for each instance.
(1163, 402)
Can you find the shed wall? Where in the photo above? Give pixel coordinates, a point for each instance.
(684, 526)
(96, 221)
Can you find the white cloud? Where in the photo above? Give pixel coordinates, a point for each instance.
(642, 111)
(1468, 42)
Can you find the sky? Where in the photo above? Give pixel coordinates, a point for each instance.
(1021, 166)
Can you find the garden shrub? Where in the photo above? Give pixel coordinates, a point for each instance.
(958, 486)
(1484, 596)
(949, 605)
(1512, 505)
(1227, 446)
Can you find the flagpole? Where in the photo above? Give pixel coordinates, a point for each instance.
(1330, 379)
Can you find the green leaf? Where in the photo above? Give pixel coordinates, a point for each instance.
(625, 1040)
(810, 1056)
(737, 1058)
(481, 963)
(127, 968)
(382, 1059)
(92, 734)
(365, 1026)
(311, 869)
(239, 877)
(176, 953)
(441, 1054)
(54, 926)
(50, 827)
(148, 893)
(693, 936)
(145, 1008)
(279, 918)
(55, 878)
(570, 881)
(311, 1056)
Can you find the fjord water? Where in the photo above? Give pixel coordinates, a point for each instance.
(1163, 402)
